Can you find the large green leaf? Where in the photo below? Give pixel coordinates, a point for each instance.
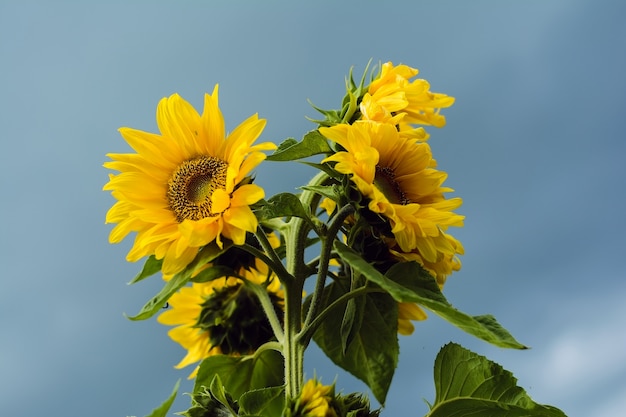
(372, 352)
(313, 143)
(468, 384)
(242, 373)
(161, 411)
(409, 282)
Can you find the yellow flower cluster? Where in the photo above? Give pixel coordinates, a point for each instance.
(386, 157)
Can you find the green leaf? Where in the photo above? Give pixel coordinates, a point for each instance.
(286, 144)
(409, 282)
(349, 325)
(469, 384)
(242, 373)
(372, 355)
(206, 255)
(283, 205)
(157, 302)
(263, 402)
(329, 191)
(313, 143)
(161, 411)
(150, 267)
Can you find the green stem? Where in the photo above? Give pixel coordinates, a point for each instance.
(308, 331)
(277, 267)
(297, 232)
(292, 350)
(325, 253)
(261, 292)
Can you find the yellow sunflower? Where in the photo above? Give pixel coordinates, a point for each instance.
(393, 98)
(315, 400)
(188, 186)
(221, 316)
(399, 178)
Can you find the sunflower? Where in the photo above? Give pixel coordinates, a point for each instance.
(188, 186)
(398, 177)
(393, 98)
(315, 400)
(222, 316)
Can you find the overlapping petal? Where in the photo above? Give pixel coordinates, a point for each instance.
(394, 98)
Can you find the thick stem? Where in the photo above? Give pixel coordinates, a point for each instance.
(293, 351)
(293, 348)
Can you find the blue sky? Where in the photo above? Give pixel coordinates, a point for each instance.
(534, 145)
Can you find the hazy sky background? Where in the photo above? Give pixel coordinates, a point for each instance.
(535, 145)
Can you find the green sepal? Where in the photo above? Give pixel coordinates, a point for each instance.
(205, 255)
(218, 391)
(409, 282)
(161, 411)
(313, 143)
(150, 267)
(157, 302)
(372, 354)
(211, 401)
(350, 103)
(240, 374)
(469, 384)
(263, 402)
(353, 405)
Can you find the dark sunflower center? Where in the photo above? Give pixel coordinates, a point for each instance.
(234, 319)
(192, 184)
(385, 180)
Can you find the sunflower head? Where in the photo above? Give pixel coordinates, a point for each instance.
(398, 179)
(222, 316)
(188, 186)
(233, 319)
